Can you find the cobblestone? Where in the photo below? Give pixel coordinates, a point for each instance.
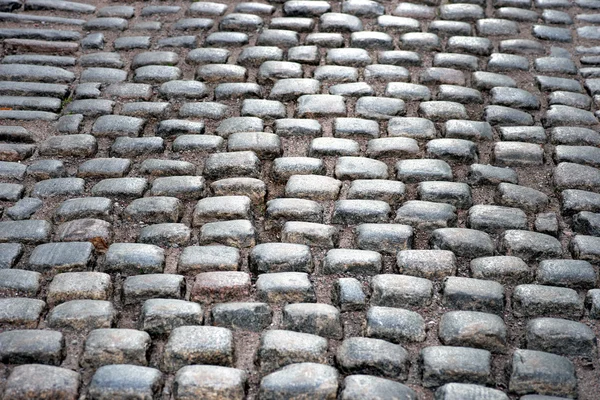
(359, 175)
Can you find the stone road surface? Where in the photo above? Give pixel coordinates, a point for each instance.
(299, 199)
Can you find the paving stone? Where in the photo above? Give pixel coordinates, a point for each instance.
(10, 253)
(279, 348)
(131, 147)
(467, 391)
(506, 116)
(198, 345)
(445, 364)
(352, 212)
(496, 218)
(202, 381)
(470, 294)
(304, 379)
(69, 146)
(426, 214)
(429, 264)
(225, 165)
(544, 373)
(52, 382)
(295, 209)
(503, 269)
(363, 386)
(385, 238)
(159, 167)
(27, 231)
(401, 291)
(32, 346)
(560, 336)
(19, 282)
(286, 167)
(530, 245)
(160, 316)
(320, 105)
(473, 329)
(348, 294)
(372, 356)
(585, 248)
(347, 168)
(79, 285)
(237, 233)
(395, 325)
(84, 207)
(115, 346)
(139, 288)
(56, 187)
(463, 242)
(253, 188)
(183, 187)
(220, 286)
(245, 316)
(219, 208)
(487, 80)
(317, 319)
(568, 273)
(82, 315)
(285, 287)
(124, 380)
(538, 300)
(134, 258)
(309, 233)
(523, 197)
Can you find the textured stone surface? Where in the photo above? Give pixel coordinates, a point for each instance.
(406, 173)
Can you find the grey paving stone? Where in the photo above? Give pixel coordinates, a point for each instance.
(480, 174)
(159, 167)
(281, 257)
(377, 189)
(568, 273)
(496, 218)
(372, 356)
(348, 168)
(244, 316)
(470, 294)
(544, 373)
(463, 242)
(574, 176)
(134, 258)
(32, 346)
(27, 231)
(208, 258)
(253, 188)
(585, 248)
(115, 346)
(385, 238)
(46, 169)
(79, 285)
(295, 209)
(473, 329)
(113, 381)
(21, 312)
(131, 147)
(467, 391)
(160, 316)
(395, 146)
(69, 146)
(426, 214)
(282, 287)
(81, 315)
(220, 286)
(237, 233)
(363, 262)
(202, 381)
(396, 325)
(416, 128)
(538, 300)
(423, 170)
(309, 233)
(198, 345)
(530, 245)
(487, 80)
(312, 380)
(51, 382)
(84, 207)
(352, 212)
(523, 197)
(560, 336)
(279, 348)
(286, 167)
(56, 187)
(579, 200)
(456, 194)
(85, 229)
(120, 187)
(225, 165)
(503, 269)
(401, 291)
(348, 294)
(318, 319)
(139, 288)
(506, 116)
(10, 253)
(219, 208)
(429, 264)
(444, 364)
(362, 386)
(183, 187)
(18, 282)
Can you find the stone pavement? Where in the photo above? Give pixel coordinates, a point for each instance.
(299, 199)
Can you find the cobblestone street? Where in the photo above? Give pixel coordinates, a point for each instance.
(302, 199)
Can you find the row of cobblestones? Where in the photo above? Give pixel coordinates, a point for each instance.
(299, 199)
